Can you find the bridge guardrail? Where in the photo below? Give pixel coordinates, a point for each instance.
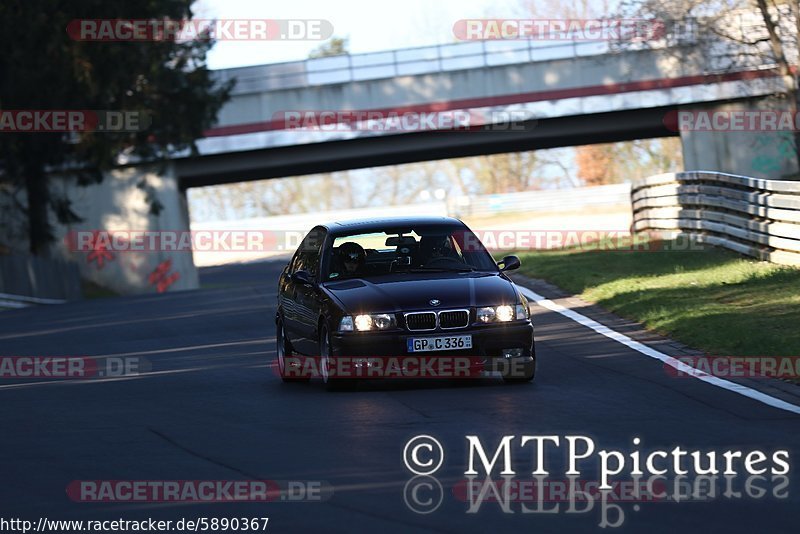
(755, 217)
(542, 200)
(403, 62)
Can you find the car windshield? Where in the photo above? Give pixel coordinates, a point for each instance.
(409, 249)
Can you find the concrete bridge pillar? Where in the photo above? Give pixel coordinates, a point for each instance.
(120, 204)
(761, 154)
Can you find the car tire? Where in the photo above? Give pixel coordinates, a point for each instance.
(283, 350)
(332, 383)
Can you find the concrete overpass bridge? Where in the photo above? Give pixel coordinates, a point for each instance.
(570, 94)
(575, 93)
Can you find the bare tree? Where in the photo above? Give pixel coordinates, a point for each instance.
(618, 162)
(729, 35)
(335, 46)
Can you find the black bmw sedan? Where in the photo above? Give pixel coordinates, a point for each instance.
(402, 297)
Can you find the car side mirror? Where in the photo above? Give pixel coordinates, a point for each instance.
(510, 263)
(302, 277)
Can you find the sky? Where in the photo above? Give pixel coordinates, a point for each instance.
(370, 25)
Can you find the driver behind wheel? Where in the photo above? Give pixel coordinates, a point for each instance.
(432, 247)
(351, 258)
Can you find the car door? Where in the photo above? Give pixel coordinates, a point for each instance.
(287, 294)
(307, 298)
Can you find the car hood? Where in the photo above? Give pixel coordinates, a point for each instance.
(409, 292)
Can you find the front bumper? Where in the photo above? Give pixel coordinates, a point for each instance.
(375, 349)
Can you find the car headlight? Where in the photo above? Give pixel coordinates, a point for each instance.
(502, 314)
(365, 322)
(486, 315)
(346, 324)
(382, 321)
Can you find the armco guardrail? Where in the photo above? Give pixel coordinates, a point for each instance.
(755, 217)
(35, 280)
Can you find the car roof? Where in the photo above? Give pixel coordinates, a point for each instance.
(378, 224)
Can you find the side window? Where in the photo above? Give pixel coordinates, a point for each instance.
(293, 264)
(308, 254)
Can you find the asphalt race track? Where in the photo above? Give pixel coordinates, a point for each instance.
(208, 405)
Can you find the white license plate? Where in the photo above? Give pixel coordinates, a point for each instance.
(427, 344)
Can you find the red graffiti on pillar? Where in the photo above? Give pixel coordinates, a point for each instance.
(100, 252)
(161, 277)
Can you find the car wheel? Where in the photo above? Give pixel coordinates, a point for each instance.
(332, 383)
(284, 349)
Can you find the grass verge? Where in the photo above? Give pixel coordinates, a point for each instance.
(713, 299)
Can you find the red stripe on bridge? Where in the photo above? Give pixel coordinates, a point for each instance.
(520, 98)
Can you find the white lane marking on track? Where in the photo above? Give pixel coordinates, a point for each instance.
(652, 353)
